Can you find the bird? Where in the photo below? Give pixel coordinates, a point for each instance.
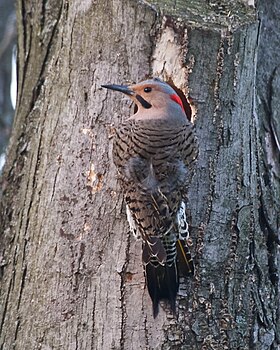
(153, 151)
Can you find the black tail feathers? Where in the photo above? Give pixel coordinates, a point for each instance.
(163, 284)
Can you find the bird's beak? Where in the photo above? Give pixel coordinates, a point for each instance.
(122, 88)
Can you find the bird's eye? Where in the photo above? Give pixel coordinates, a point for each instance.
(148, 89)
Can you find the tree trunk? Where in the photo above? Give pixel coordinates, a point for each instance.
(71, 275)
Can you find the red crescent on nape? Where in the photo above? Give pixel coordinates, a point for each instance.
(177, 99)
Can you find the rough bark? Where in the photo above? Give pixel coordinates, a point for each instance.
(71, 275)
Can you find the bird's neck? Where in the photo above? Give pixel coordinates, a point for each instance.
(171, 113)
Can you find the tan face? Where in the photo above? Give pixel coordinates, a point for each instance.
(153, 98)
(152, 95)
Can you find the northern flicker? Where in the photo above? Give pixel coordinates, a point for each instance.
(153, 150)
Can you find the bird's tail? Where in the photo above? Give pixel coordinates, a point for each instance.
(162, 283)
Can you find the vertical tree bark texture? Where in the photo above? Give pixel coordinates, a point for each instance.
(71, 275)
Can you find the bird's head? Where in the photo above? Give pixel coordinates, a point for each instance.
(154, 99)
